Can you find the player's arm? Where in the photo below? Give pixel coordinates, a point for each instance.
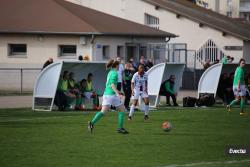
(133, 84)
(167, 86)
(132, 88)
(146, 84)
(115, 89)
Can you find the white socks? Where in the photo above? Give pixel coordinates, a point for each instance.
(132, 109)
(146, 109)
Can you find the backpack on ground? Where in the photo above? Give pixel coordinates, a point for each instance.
(206, 99)
(189, 101)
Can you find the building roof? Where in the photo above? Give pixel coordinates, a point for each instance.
(62, 17)
(205, 17)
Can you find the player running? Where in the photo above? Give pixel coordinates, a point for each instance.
(239, 87)
(111, 96)
(139, 86)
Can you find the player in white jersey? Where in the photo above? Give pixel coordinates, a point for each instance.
(139, 87)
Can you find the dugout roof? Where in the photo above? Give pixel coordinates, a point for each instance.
(47, 81)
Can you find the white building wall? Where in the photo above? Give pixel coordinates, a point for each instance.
(195, 36)
(39, 48)
(188, 31)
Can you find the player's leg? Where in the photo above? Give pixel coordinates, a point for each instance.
(174, 99)
(243, 93)
(116, 101)
(168, 99)
(132, 108)
(236, 100)
(134, 98)
(146, 101)
(121, 115)
(242, 105)
(105, 107)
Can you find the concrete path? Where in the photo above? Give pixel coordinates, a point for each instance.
(15, 101)
(26, 101)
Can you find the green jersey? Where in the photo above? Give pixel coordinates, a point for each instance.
(224, 60)
(239, 76)
(111, 79)
(63, 85)
(169, 87)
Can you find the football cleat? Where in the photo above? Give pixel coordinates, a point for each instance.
(228, 108)
(122, 131)
(90, 126)
(146, 117)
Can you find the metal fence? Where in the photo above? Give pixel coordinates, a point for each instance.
(18, 79)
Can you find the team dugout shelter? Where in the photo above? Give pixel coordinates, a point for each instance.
(158, 74)
(209, 80)
(47, 81)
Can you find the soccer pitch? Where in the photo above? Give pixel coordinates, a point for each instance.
(199, 138)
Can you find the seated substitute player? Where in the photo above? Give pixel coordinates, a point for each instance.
(111, 97)
(239, 87)
(139, 87)
(167, 89)
(90, 92)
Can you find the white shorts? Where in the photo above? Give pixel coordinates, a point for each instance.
(242, 92)
(139, 93)
(88, 95)
(113, 100)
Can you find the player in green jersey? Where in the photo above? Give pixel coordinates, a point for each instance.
(239, 87)
(112, 97)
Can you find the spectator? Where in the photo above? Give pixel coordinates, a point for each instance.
(48, 62)
(128, 74)
(225, 59)
(86, 58)
(207, 64)
(80, 58)
(134, 64)
(231, 60)
(224, 90)
(167, 89)
(142, 61)
(215, 62)
(149, 64)
(248, 85)
(120, 74)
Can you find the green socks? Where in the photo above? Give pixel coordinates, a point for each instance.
(233, 102)
(242, 104)
(97, 117)
(120, 119)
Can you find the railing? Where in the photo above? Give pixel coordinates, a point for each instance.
(14, 78)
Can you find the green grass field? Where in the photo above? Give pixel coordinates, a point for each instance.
(199, 138)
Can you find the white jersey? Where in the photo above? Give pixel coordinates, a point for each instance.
(140, 82)
(120, 72)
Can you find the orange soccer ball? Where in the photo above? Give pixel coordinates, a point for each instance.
(166, 126)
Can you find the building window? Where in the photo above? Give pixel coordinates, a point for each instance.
(67, 50)
(17, 50)
(151, 21)
(120, 51)
(105, 52)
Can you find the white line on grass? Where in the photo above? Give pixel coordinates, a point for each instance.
(31, 119)
(209, 163)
